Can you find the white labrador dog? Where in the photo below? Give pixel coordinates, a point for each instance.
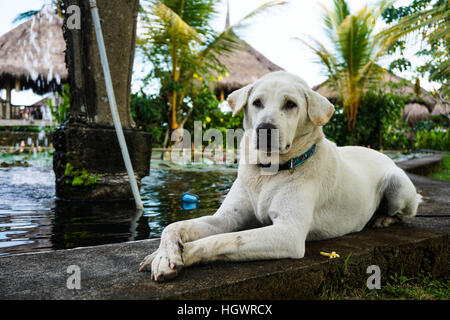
(327, 192)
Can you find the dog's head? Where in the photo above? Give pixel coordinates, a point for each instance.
(283, 101)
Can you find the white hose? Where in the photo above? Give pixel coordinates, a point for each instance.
(113, 105)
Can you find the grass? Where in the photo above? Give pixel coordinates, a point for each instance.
(397, 287)
(444, 172)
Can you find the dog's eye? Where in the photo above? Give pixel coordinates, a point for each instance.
(257, 103)
(289, 105)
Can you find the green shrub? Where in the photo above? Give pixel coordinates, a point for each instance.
(436, 139)
(207, 110)
(379, 123)
(149, 113)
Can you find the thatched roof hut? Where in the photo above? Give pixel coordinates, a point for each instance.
(441, 108)
(415, 112)
(418, 107)
(403, 87)
(32, 54)
(245, 65)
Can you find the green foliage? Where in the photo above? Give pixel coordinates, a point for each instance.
(350, 60)
(422, 286)
(61, 112)
(183, 48)
(443, 173)
(208, 111)
(424, 125)
(26, 129)
(428, 21)
(149, 112)
(435, 139)
(80, 177)
(379, 123)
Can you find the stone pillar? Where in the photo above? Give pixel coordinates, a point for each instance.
(87, 161)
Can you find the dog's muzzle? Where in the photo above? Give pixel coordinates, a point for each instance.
(267, 136)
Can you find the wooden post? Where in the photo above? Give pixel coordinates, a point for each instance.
(8, 101)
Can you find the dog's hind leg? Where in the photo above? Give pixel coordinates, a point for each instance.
(399, 199)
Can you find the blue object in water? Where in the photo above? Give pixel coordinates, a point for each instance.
(189, 197)
(189, 201)
(189, 205)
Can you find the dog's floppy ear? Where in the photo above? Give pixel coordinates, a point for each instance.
(238, 99)
(320, 109)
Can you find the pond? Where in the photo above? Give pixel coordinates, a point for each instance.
(32, 220)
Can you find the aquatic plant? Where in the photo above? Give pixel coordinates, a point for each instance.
(80, 177)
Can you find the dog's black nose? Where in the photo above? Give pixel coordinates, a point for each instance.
(264, 132)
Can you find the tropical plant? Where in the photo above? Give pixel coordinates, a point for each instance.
(350, 59)
(184, 49)
(436, 139)
(379, 125)
(61, 112)
(428, 21)
(148, 112)
(207, 110)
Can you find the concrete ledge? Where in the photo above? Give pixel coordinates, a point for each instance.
(422, 166)
(110, 271)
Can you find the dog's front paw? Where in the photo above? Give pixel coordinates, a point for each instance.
(146, 264)
(165, 266)
(164, 263)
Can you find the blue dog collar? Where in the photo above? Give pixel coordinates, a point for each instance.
(294, 162)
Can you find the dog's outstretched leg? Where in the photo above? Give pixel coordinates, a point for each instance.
(234, 214)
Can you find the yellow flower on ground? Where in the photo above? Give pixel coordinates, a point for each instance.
(331, 255)
(227, 74)
(212, 79)
(208, 119)
(220, 78)
(195, 76)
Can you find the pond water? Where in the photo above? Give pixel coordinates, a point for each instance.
(32, 220)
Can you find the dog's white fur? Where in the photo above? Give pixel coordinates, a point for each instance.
(336, 192)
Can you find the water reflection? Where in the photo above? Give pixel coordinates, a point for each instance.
(31, 220)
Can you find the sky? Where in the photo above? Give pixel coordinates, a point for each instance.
(272, 33)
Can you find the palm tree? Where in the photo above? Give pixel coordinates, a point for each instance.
(184, 49)
(431, 23)
(350, 60)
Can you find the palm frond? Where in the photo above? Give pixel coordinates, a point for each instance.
(25, 15)
(171, 20)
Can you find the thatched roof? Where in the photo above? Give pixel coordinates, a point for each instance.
(415, 112)
(245, 65)
(441, 108)
(32, 54)
(405, 88)
(416, 108)
(398, 86)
